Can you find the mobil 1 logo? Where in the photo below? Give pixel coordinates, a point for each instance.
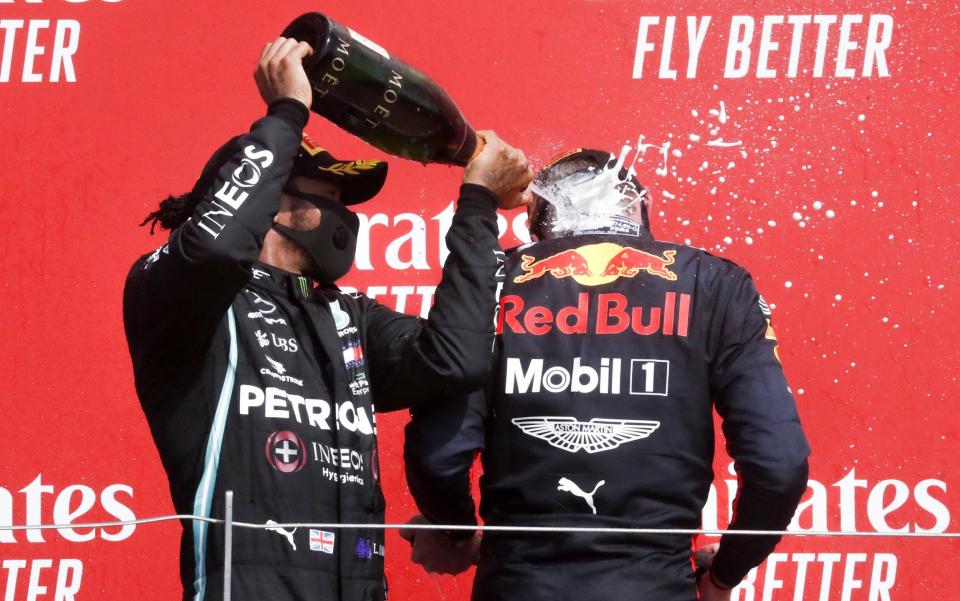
(603, 375)
(650, 377)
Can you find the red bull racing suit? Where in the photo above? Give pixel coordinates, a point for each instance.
(613, 352)
(254, 380)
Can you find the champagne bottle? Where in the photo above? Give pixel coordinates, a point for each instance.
(360, 87)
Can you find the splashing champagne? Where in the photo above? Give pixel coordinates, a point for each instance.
(360, 87)
(591, 199)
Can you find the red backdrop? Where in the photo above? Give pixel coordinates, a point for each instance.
(835, 184)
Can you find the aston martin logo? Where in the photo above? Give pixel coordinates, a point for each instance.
(594, 436)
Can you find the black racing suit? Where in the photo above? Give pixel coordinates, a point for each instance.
(613, 353)
(256, 381)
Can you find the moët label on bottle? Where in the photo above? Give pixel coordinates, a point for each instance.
(369, 44)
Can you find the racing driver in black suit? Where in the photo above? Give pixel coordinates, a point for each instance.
(613, 351)
(258, 375)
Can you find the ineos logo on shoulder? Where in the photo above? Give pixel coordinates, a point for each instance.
(231, 195)
(247, 175)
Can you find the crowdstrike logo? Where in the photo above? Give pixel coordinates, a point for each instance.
(594, 436)
(279, 372)
(286, 452)
(277, 366)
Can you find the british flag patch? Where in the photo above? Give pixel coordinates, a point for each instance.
(321, 540)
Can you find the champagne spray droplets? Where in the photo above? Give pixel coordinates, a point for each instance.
(591, 199)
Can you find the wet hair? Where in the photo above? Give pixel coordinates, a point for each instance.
(543, 214)
(172, 212)
(562, 169)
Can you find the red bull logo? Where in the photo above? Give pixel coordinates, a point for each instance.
(596, 264)
(607, 313)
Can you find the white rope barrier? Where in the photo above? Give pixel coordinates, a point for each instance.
(486, 528)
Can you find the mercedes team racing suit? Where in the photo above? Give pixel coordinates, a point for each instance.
(613, 352)
(256, 381)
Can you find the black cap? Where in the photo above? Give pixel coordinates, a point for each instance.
(359, 180)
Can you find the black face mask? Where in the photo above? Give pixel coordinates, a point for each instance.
(332, 244)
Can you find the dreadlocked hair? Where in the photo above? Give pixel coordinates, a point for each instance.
(173, 211)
